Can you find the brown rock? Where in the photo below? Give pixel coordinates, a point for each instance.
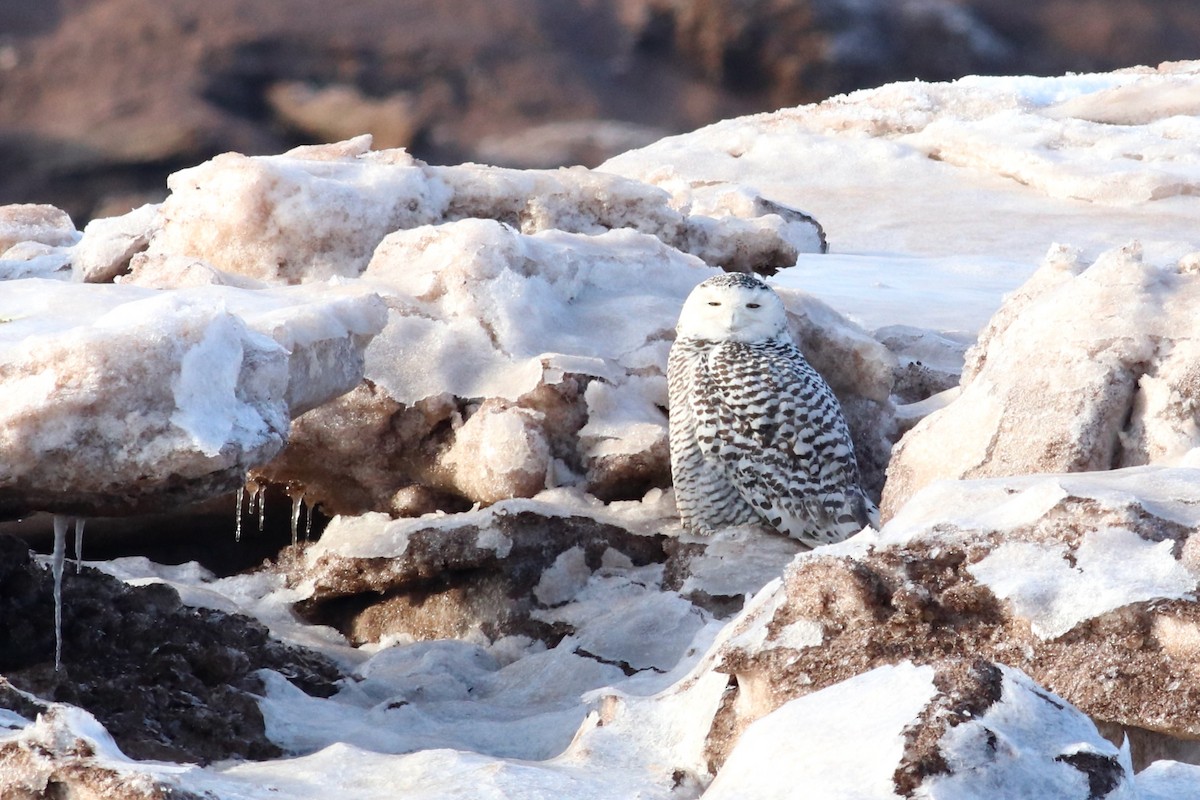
(922, 595)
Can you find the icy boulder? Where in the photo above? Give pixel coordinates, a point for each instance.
(121, 399)
(496, 572)
(953, 729)
(512, 362)
(321, 211)
(39, 224)
(34, 241)
(1086, 367)
(108, 244)
(1085, 582)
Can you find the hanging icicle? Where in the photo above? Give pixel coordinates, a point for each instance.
(241, 495)
(295, 491)
(56, 567)
(297, 504)
(262, 506)
(79, 523)
(308, 515)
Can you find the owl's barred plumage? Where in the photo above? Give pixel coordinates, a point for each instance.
(757, 435)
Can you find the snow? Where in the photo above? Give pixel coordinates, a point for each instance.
(1111, 567)
(1021, 748)
(115, 391)
(802, 749)
(936, 200)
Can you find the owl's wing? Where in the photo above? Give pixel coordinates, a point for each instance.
(778, 432)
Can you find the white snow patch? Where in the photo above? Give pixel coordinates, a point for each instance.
(1021, 746)
(1113, 567)
(841, 743)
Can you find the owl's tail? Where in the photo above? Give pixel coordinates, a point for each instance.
(857, 513)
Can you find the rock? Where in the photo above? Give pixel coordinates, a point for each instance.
(1109, 390)
(1084, 582)
(802, 52)
(557, 144)
(66, 752)
(489, 571)
(122, 399)
(165, 680)
(341, 111)
(949, 729)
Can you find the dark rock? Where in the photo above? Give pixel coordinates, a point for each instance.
(168, 681)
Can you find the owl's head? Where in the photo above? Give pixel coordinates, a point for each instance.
(732, 307)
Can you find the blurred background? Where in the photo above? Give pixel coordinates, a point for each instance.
(101, 99)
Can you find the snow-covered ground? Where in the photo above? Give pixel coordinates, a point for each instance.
(936, 200)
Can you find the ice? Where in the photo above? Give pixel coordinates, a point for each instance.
(508, 300)
(108, 244)
(527, 318)
(79, 525)
(118, 396)
(841, 743)
(1085, 368)
(1030, 744)
(240, 498)
(1110, 568)
(57, 561)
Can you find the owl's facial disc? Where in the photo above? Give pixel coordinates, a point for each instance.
(732, 308)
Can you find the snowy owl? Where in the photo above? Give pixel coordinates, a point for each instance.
(757, 435)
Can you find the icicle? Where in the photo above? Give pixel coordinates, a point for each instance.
(241, 495)
(79, 523)
(254, 498)
(295, 490)
(262, 506)
(308, 514)
(297, 503)
(56, 566)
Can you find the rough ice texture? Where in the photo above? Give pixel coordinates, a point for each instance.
(35, 223)
(1087, 367)
(35, 241)
(611, 684)
(257, 215)
(543, 300)
(444, 578)
(119, 399)
(552, 346)
(1086, 582)
(108, 244)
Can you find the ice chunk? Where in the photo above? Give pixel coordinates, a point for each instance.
(120, 399)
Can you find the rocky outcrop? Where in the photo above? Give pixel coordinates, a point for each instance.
(1083, 582)
(165, 680)
(492, 571)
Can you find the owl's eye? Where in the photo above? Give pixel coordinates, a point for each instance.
(714, 302)
(752, 305)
